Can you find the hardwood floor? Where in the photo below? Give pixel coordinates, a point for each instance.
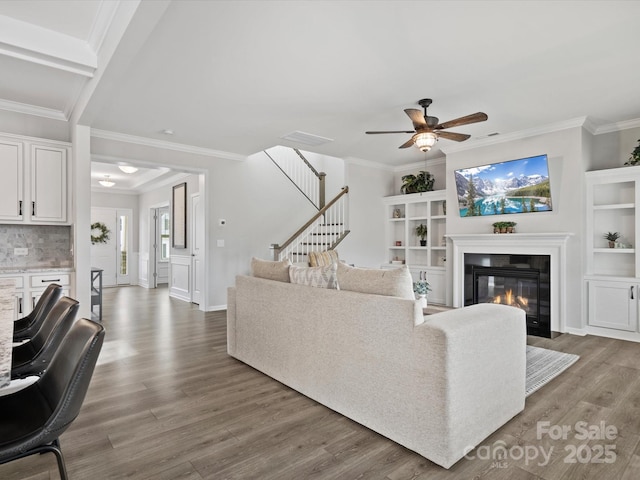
(167, 402)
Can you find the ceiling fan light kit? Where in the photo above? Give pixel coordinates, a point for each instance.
(427, 131)
(424, 141)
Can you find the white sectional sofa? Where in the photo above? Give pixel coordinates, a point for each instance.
(437, 385)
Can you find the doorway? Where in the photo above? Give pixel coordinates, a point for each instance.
(112, 254)
(161, 245)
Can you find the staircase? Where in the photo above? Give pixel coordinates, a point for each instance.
(324, 230)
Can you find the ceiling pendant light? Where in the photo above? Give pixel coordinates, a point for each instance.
(106, 182)
(127, 168)
(424, 141)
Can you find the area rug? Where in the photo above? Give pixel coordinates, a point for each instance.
(544, 365)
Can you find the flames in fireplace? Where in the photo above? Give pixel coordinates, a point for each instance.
(512, 300)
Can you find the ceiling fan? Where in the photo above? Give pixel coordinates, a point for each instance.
(428, 130)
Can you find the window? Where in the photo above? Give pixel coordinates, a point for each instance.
(165, 239)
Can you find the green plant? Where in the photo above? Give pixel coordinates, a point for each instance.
(612, 236)
(421, 231)
(423, 182)
(421, 287)
(634, 159)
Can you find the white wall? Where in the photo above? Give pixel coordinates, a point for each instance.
(365, 246)
(611, 150)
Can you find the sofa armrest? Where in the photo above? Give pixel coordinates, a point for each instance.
(480, 353)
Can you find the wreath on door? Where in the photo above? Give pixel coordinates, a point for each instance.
(103, 237)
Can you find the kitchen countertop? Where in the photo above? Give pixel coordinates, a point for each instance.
(13, 270)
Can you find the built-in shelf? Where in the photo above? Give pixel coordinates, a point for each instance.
(404, 213)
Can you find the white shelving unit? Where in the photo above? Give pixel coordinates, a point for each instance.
(612, 274)
(404, 213)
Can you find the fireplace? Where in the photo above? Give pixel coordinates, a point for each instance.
(521, 281)
(511, 246)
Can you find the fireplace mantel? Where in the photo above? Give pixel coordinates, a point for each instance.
(552, 244)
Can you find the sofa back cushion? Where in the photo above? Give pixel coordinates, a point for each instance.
(393, 282)
(323, 277)
(271, 270)
(319, 259)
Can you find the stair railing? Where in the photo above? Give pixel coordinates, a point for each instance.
(303, 175)
(324, 231)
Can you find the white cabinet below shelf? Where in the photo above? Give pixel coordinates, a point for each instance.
(613, 304)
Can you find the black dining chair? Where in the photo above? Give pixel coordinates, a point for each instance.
(33, 419)
(27, 326)
(32, 357)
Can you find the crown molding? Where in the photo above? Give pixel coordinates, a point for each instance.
(101, 24)
(617, 126)
(41, 46)
(32, 110)
(164, 145)
(510, 137)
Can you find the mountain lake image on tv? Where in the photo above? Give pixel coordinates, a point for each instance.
(514, 186)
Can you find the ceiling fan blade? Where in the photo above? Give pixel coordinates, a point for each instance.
(457, 137)
(416, 117)
(392, 131)
(473, 118)
(407, 144)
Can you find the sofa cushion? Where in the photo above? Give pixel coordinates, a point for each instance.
(393, 282)
(271, 270)
(323, 277)
(327, 257)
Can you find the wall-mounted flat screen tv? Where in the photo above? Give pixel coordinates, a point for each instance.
(514, 186)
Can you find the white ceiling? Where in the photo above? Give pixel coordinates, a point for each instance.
(235, 76)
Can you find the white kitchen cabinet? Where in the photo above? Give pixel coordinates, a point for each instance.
(11, 180)
(33, 185)
(31, 286)
(48, 184)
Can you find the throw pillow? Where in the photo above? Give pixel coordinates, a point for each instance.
(392, 282)
(271, 270)
(323, 277)
(319, 259)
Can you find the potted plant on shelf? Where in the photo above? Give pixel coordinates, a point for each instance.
(421, 231)
(634, 159)
(612, 237)
(499, 227)
(423, 182)
(511, 227)
(421, 288)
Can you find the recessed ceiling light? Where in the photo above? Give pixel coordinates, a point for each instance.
(167, 131)
(106, 182)
(127, 168)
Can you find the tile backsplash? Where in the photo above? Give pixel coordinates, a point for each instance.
(49, 246)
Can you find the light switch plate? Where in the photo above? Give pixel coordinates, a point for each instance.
(20, 252)
(220, 243)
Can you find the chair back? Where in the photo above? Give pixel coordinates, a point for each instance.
(27, 326)
(33, 357)
(65, 383)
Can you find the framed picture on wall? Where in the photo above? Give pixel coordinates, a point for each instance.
(179, 216)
